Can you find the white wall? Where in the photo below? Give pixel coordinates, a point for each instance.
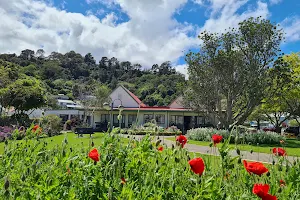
(127, 100)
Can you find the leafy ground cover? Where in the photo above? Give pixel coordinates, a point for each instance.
(113, 169)
(292, 146)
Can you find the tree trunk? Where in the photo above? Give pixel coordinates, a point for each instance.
(277, 128)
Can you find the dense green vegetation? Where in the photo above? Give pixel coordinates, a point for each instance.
(75, 75)
(135, 170)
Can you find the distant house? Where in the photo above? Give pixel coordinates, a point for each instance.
(136, 112)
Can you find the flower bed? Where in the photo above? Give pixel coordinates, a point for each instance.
(261, 137)
(138, 170)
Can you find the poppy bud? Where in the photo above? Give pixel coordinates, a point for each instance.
(6, 184)
(159, 184)
(93, 144)
(66, 141)
(150, 146)
(173, 146)
(157, 162)
(268, 174)
(6, 142)
(63, 153)
(210, 144)
(128, 136)
(23, 178)
(273, 162)
(188, 157)
(71, 149)
(238, 151)
(157, 143)
(251, 151)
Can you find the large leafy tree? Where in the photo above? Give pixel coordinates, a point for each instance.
(23, 94)
(228, 75)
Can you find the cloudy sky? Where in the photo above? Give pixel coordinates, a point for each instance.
(141, 31)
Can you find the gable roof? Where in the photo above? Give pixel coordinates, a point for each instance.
(134, 97)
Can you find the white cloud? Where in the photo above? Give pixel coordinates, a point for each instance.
(224, 14)
(291, 27)
(182, 69)
(110, 19)
(273, 2)
(148, 37)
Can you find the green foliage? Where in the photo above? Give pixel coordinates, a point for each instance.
(260, 137)
(230, 70)
(51, 125)
(23, 94)
(29, 170)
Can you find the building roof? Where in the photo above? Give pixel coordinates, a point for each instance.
(134, 97)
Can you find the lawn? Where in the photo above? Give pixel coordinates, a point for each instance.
(72, 139)
(292, 146)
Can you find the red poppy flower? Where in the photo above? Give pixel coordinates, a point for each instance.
(279, 151)
(197, 165)
(36, 127)
(255, 167)
(262, 191)
(123, 181)
(282, 183)
(182, 140)
(160, 148)
(94, 155)
(217, 138)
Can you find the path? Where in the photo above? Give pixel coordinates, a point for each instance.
(255, 156)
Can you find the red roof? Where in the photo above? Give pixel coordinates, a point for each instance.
(134, 97)
(158, 109)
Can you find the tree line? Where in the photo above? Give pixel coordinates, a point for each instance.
(28, 80)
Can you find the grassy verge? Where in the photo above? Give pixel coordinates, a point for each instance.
(292, 146)
(72, 139)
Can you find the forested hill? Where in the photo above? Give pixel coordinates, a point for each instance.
(73, 74)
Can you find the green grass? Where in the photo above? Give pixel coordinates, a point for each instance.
(292, 146)
(73, 140)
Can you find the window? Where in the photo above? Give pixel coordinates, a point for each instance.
(176, 119)
(115, 119)
(200, 120)
(148, 117)
(131, 119)
(160, 119)
(64, 118)
(105, 118)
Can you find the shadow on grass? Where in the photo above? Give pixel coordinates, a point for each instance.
(290, 143)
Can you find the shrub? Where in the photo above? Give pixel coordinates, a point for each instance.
(242, 137)
(51, 125)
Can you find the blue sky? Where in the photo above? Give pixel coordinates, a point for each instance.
(141, 31)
